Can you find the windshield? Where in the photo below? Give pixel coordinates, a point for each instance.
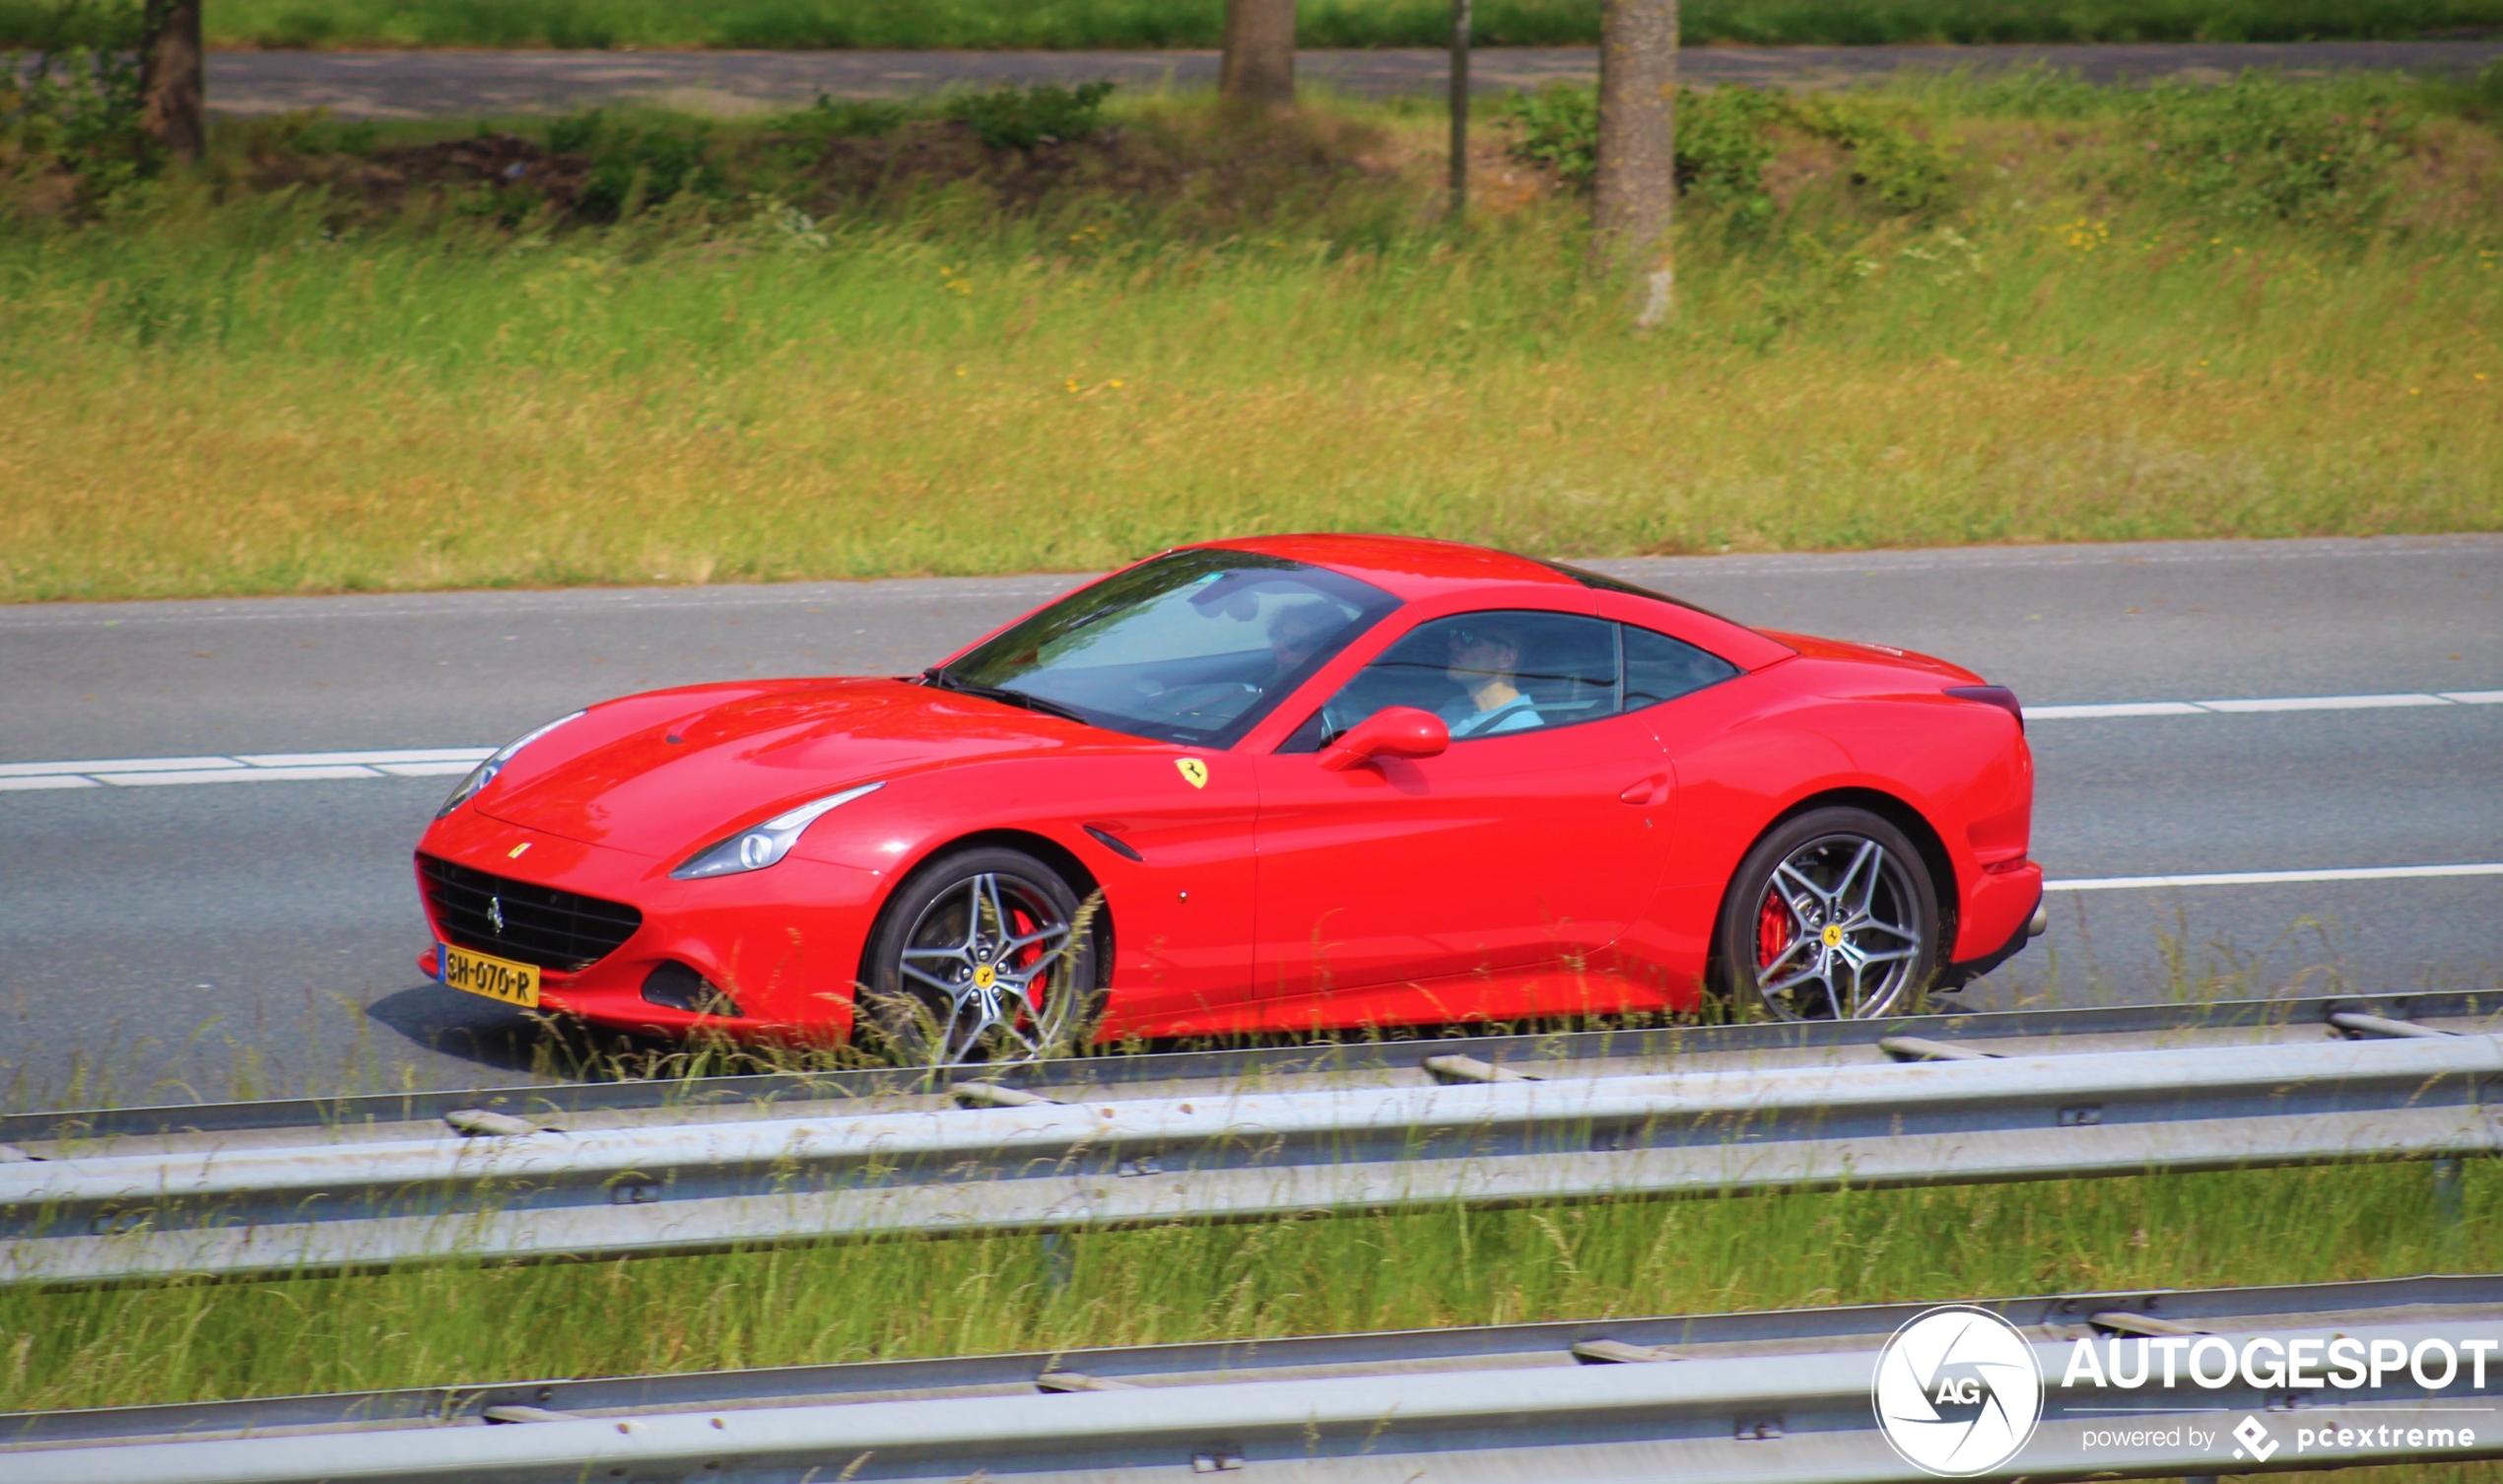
(1194, 646)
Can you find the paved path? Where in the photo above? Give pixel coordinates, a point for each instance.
(424, 84)
(189, 939)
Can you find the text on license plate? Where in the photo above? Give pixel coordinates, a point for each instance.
(497, 979)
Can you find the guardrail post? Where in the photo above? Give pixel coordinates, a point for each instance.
(2447, 1193)
(1060, 1261)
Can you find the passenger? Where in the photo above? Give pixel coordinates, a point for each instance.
(1483, 660)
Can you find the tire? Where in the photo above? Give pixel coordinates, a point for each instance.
(942, 985)
(1832, 915)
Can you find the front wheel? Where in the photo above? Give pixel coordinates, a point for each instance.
(983, 955)
(1831, 917)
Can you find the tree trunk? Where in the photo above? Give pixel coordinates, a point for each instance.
(1259, 68)
(1460, 42)
(172, 90)
(1638, 146)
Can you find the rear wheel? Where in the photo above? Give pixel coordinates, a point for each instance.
(1831, 917)
(983, 955)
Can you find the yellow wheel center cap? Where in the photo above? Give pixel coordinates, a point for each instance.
(1833, 935)
(984, 975)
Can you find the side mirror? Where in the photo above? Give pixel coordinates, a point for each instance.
(1395, 731)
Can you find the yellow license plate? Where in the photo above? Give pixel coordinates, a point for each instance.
(497, 979)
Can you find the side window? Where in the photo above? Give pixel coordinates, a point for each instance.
(1658, 668)
(1485, 674)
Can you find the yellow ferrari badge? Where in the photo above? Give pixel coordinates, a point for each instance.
(515, 852)
(983, 976)
(1833, 935)
(1193, 771)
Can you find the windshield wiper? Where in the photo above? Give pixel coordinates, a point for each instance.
(937, 675)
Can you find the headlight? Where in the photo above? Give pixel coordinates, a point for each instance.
(485, 773)
(755, 850)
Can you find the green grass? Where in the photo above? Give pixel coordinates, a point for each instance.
(1082, 23)
(816, 360)
(1434, 1268)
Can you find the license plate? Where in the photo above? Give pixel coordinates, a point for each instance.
(497, 979)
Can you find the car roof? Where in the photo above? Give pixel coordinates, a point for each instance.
(1408, 567)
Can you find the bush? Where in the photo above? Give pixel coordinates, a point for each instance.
(630, 168)
(1725, 138)
(1907, 173)
(1558, 127)
(2258, 147)
(1724, 144)
(78, 112)
(1019, 119)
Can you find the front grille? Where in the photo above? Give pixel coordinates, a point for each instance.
(542, 925)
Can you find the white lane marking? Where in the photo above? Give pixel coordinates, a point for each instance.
(238, 775)
(115, 765)
(267, 767)
(2113, 708)
(2272, 878)
(2405, 698)
(2323, 702)
(466, 755)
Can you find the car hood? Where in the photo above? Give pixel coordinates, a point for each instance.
(720, 764)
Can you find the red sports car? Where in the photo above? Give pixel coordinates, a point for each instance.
(1287, 783)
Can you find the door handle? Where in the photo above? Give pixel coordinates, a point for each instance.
(1651, 791)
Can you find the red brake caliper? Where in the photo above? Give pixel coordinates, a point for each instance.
(1773, 930)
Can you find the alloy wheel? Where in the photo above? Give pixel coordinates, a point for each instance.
(988, 967)
(1838, 931)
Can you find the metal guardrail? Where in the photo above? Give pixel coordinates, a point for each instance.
(1780, 1395)
(1943, 1115)
(1066, 1077)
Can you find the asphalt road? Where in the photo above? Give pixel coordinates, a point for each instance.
(433, 84)
(223, 940)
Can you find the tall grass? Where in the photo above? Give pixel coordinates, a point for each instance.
(1081, 23)
(1429, 1269)
(270, 390)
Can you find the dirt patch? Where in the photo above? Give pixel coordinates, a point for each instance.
(1204, 173)
(506, 172)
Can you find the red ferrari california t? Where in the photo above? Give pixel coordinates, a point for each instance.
(1286, 782)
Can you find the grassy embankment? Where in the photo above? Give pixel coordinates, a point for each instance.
(1432, 1268)
(841, 345)
(1081, 23)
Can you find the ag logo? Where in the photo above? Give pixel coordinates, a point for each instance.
(1957, 1392)
(1193, 771)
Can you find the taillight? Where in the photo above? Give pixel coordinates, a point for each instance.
(1991, 694)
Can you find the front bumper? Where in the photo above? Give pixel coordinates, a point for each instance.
(783, 943)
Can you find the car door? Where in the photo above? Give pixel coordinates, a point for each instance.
(1170, 835)
(1532, 840)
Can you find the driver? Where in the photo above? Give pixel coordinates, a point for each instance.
(1484, 656)
(1296, 630)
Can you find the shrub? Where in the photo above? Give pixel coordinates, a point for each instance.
(78, 112)
(1724, 144)
(630, 168)
(1907, 173)
(1558, 127)
(2258, 147)
(1019, 119)
(1727, 137)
